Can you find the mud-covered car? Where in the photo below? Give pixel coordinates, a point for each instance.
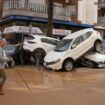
(93, 59)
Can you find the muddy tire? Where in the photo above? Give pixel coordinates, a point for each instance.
(97, 46)
(39, 54)
(68, 65)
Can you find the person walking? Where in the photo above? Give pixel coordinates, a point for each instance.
(3, 59)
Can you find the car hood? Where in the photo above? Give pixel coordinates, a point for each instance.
(53, 55)
(97, 57)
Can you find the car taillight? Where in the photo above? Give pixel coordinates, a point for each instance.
(97, 33)
(31, 42)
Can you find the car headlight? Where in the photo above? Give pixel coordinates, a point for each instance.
(53, 62)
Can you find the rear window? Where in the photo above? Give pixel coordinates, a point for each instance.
(49, 41)
(87, 35)
(28, 37)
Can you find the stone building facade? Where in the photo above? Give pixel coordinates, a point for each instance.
(68, 14)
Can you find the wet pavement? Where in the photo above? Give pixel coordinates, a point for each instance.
(27, 85)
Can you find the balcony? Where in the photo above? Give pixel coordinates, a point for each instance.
(101, 21)
(101, 4)
(36, 10)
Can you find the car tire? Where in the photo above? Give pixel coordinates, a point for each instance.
(97, 46)
(39, 55)
(68, 65)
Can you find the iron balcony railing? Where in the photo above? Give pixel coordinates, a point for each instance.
(101, 3)
(37, 10)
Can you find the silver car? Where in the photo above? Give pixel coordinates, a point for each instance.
(93, 59)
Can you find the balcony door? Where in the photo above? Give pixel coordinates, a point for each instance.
(37, 1)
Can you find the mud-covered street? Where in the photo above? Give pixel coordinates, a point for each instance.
(28, 85)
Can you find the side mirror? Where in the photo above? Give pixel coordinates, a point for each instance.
(73, 46)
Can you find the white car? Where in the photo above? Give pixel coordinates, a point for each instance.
(93, 59)
(71, 48)
(39, 45)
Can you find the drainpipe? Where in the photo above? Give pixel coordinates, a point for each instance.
(1, 7)
(50, 18)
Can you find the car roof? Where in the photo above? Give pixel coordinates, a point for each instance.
(44, 36)
(78, 33)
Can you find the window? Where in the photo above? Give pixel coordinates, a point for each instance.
(63, 45)
(78, 40)
(28, 37)
(58, 10)
(21, 4)
(70, 10)
(87, 35)
(54, 42)
(49, 41)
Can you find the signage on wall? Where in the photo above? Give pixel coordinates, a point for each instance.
(61, 32)
(22, 29)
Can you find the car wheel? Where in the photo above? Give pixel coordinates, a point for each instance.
(68, 65)
(38, 56)
(97, 46)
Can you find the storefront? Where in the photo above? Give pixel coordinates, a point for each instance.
(18, 20)
(15, 34)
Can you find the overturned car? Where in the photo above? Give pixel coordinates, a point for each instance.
(93, 59)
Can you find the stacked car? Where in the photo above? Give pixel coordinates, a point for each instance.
(81, 47)
(38, 46)
(72, 48)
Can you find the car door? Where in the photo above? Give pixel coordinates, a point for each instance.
(88, 41)
(82, 44)
(76, 49)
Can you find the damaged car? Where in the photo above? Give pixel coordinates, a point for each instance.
(93, 59)
(38, 46)
(71, 48)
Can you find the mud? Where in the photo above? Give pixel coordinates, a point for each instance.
(29, 85)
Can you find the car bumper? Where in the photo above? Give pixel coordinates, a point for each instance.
(56, 66)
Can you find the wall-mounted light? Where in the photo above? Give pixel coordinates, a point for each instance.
(67, 1)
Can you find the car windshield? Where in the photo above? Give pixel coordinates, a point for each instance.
(63, 45)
